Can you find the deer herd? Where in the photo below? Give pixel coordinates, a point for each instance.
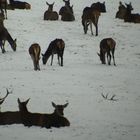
(89, 16)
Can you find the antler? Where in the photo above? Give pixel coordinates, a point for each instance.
(2, 99)
(111, 99)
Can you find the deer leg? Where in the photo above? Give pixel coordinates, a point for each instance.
(52, 59)
(91, 28)
(96, 26)
(2, 46)
(61, 60)
(113, 58)
(109, 58)
(58, 59)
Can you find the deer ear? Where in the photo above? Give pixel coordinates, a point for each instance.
(47, 3)
(53, 104)
(65, 105)
(98, 54)
(27, 101)
(18, 100)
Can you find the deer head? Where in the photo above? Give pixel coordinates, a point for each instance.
(59, 108)
(50, 8)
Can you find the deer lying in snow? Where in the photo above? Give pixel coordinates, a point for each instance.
(56, 119)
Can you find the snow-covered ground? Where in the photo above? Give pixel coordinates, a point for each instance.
(81, 81)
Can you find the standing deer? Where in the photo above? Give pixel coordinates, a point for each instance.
(66, 12)
(3, 5)
(34, 51)
(5, 35)
(56, 119)
(55, 47)
(107, 45)
(50, 14)
(90, 15)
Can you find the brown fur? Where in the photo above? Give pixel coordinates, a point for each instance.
(50, 14)
(107, 45)
(90, 16)
(55, 119)
(34, 52)
(57, 46)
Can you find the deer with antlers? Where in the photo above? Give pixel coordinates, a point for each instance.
(3, 99)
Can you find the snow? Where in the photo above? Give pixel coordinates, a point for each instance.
(81, 81)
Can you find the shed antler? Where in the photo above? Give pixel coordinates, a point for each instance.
(110, 99)
(2, 99)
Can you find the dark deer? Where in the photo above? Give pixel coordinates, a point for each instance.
(5, 35)
(19, 4)
(3, 99)
(55, 47)
(9, 117)
(121, 11)
(55, 119)
(99, 6)
(34, 51)
(130, 17)
(50, 14)
(90, 15)
(107, 45)
(66, 12)
(3, 5)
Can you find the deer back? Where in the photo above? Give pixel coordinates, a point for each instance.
(7, 118)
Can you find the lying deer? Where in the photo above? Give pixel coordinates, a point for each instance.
(66, 12)
(56, 119)
(131, 17)
(9, 117)
(50, 14)
(55, 47)
(89, 16)
(107, 45)
(3, 5)
(34, 52)
(5, 35)
(19, 4)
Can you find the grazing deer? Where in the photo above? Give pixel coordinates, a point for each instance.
(90, 15)
(3, 99)
(55, 47)
(5, 35)
(34, 51)
(19, 4)
(66, 12)
(3, 5)
(99, 6)
(50, 14)
(107, 45)
(130, 17)
(56, 119)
